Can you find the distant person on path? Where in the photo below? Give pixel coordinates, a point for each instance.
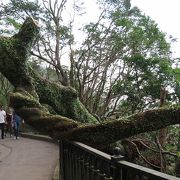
(16, 125)
(2, 120)
(9, 121)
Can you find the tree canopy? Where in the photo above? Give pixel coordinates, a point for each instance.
(119, 66)
(70, 119)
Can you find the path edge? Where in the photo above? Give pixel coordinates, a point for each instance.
(47, 139)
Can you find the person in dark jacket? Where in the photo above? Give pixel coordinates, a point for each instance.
(16, 125)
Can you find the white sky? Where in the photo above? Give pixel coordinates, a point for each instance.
(166, 13)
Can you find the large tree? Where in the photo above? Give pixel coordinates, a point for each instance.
(122, 62)
(65, 117)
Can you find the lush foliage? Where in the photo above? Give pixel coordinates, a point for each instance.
(118, 69)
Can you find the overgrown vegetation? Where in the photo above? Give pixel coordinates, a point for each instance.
(119, 69)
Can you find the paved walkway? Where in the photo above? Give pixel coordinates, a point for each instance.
(27, 159)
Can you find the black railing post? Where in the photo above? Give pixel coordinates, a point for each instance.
(117, 173)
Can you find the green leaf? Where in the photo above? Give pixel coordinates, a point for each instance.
(12, 21)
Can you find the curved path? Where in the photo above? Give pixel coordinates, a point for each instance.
(27, 159)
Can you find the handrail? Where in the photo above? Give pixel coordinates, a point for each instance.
(81, 162)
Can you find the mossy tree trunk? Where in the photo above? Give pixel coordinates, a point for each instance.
(70, 119)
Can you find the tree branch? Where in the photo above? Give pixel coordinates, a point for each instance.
(112, 131)
(31, 90)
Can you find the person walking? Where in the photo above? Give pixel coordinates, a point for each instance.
(9, 121)
(16, 125)
(2, 120)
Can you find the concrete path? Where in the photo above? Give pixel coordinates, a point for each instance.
(27, 159)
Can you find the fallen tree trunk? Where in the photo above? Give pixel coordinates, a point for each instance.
(109, 132)
(14, 66)
(70, 119)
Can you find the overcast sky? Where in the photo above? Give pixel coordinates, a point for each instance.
(166, 13)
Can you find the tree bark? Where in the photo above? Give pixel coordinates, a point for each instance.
(14, 66)
(70, 119)
(163, 132)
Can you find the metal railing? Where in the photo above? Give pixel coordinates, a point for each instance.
(81, 162)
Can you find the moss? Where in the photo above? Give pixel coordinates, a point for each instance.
(19, 100)
(62, 99)
(28, 33)
(108, 132)
(27, 112)
(47, 123)
(38, 116)
(50, 109)
(14, 53)
(81, 112)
